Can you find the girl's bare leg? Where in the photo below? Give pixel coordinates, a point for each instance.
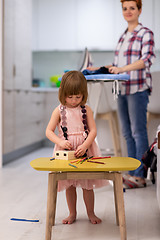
(71, 197)
(88, 196)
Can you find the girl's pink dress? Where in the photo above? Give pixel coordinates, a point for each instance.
(76, 135)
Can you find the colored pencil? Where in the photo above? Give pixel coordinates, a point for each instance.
(95, 162)
(75, 161)
(72, 165)
(100, 157)
(24, 220)
(85, 159)
(81, 160)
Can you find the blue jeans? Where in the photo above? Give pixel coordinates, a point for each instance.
(132, 111)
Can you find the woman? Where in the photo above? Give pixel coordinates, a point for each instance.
(134, 55)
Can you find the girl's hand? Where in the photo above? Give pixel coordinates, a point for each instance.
(80, 151)
(65, 144)
(115, 70)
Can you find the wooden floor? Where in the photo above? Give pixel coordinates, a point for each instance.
(23, 194)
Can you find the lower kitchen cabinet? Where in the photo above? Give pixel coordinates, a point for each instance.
(24, 119)
(8, 121)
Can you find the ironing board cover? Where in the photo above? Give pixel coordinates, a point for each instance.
(105, 77)
(122, 77)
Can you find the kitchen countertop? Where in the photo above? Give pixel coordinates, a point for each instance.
(44, 89)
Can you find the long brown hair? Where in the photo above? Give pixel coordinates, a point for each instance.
(73, 83)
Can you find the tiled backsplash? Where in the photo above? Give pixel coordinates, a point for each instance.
(47, 64)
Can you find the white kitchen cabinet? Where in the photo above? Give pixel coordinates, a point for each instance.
(95, 24)
(29, 118)
(147, 15)
(17, 44)
(38, 97)
(73, 24)
(38, 131)
(38, 113)
(157, 24)
(8, 123)
(24, 119)
(51, 103)
(8, 44)
(54, 24)
(22, 44)
(33, 133)
(17, 73)
(37, 107)
(76, 24)
(22, 108)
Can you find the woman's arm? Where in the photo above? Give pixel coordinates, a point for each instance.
(96, 68)
(50, 134)
(80, 151)
(130, 67)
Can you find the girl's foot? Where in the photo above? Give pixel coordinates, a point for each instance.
(69, 220)
(94, 219)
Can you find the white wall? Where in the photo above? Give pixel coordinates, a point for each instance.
(1, 15)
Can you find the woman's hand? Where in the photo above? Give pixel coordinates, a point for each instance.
(80, 151)
(65, 144)
(115, 70)
(92, 68)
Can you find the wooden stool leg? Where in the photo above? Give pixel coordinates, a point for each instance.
(120, 205)
(51, 204)
(116, 200)
(113, 121)
(117, 133)
(114, 127)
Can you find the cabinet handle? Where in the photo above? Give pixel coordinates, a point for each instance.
(14, 70)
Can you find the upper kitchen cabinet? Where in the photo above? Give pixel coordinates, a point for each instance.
(17, 44)
(76, 24)
(94, 24)
(150, 18)
(157, 24)
(54, 24)
(8, 44)
(73, 24)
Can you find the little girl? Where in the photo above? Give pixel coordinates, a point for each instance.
(77, 131)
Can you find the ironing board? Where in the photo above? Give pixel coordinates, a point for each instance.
(61, 170)
(102, 78)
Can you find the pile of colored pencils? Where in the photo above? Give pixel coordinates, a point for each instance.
(88, 159)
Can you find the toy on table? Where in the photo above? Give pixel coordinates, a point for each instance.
(65, 155)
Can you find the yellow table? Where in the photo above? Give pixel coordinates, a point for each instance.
(61, 170)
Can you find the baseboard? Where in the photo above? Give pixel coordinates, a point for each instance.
(9, 157)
